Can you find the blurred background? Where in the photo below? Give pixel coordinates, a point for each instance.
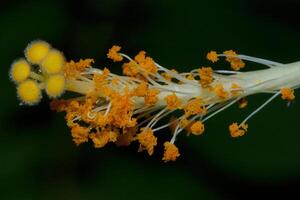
(39, 159)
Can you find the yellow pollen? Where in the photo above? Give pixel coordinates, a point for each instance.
(197, 128)
(184, 122)
(147, 140)
(287, 94)
(212, 56)
(73, 69)
(173, 102)
(113, 54)
(235, 62)
(101, 138)
(194, 107)
(130, 69)
(140, 90)
(80, 134)
(146, 62)
(171, 152)
(206, 76)
(151, 97)
(236, 131)
(220, 91)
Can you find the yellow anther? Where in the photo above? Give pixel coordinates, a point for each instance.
(147, 140)
(151, 97)
(220, 91)
(287, 94)
(197, 128)
(171, 152)
(235, 62)
(101, 138)
(113, 54)
(173, 102)
(206, 76)
(236, 131)
(80, 134)
(212, 56)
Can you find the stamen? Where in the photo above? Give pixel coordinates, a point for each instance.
(124, 108)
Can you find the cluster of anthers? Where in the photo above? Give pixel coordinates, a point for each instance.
(125, 109)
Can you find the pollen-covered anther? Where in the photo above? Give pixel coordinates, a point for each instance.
(243, 103)
(140, 90)
(29, 92)
(146, 62)
(197, 128)
(173, 102)
(53, 63)
(171, 152)
(212, 56)
(194, 107)
(130, 68)
(101, 138)
(73, 69)
(80, 134)
(236, 130)
(220, 91)
(206, 76)
(36, 51)
(151, 97)
(113, 53)
(20, 70)
(235, 62)
(147, 140)
(287, 94)
(184, 122)
(55, 85)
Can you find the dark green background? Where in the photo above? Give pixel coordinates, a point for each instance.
(38, 157)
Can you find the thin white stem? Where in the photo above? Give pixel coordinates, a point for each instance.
(162, 116)
(156, 117)
(175, 134)
(221, 109)
(108, 109)
(259, 108)
(256, 60)
(226, 72)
